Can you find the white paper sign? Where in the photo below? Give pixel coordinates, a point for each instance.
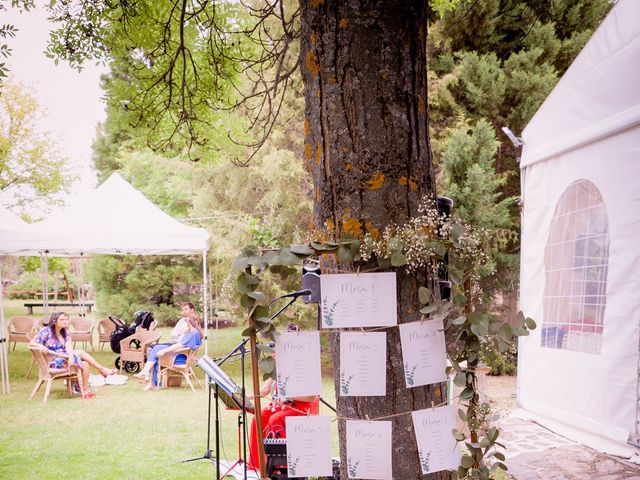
(369, 450)
(298, 364)
(309, 446)
(363, 364)
(362, 300)
(423, 352)
(437, 448)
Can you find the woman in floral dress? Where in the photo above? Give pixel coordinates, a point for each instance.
(55, 340)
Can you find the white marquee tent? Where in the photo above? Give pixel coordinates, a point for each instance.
(113, 219)
(10, 228)
(578, 373)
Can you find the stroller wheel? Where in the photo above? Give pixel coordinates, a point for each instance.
(117, 362)
(132, 367)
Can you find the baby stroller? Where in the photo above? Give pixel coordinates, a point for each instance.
(141, 320)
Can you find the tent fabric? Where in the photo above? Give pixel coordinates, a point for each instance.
(589, 394)
(113, 219)
(13, 232)
(597, 96)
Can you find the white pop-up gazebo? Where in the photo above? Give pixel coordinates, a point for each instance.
(113, 219)
(578, 372)
(12, 229)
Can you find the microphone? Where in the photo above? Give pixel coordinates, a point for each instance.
(299, 293)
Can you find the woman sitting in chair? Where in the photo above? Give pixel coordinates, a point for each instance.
(192, 339)
(55, 339)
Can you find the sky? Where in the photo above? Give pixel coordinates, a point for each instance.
(71, 99)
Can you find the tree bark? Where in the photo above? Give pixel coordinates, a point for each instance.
(366, 144)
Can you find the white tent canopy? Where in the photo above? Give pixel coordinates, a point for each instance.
(11, 229)
(114, 219)
(578, 371)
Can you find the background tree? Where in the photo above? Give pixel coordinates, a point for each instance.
(32, 169)
(491, 64)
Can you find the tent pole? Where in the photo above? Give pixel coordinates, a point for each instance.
(4, 367)
(205, 302)
(45, 294)
(81, 306)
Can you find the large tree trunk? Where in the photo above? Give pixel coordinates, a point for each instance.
(364, 68)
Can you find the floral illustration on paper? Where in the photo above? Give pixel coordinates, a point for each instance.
(282, 385)
(409, 373)
(352, 467)
(345, 382)
(328, 312)
(292, 465)
(424, 460)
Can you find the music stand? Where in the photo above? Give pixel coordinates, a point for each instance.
(231, 395)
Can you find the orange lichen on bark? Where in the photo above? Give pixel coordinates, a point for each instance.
(312, 62)
(404, 181)
(421, 108)
(438, 392)
(348, 166)
(314, 38)
(316, 3)
(345, 149)
(343, 23)
(352, 226)
(376, 181)
(318, 153)
(308, 151)
(318, 194)
(372, 230)
(307, 127)
(330, 225)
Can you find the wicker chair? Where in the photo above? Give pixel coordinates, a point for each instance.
(134, 347)
(105, 328)
(20, 329)
(166, 367)
(82, 331)
(48, 375)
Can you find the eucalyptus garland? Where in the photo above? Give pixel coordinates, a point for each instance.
(420, 243)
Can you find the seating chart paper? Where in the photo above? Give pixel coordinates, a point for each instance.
(437, 448)
(423, 352)
(298, 364)
(363, 364)
(309, 446)
(369, 449)
(358, 300)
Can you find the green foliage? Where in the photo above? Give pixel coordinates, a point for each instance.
(32, 169)
(9, 31)
(491, 64)
(126, 284)
(469, 333)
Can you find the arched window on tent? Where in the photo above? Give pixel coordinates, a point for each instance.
(576, 261)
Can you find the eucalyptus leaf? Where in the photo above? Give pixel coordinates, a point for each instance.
(384, 263)
(458, 435)
(241, 262)
(265, 348)
(301, 250)
(259, 296)
(466, 461)
(398, 259)
(288, 258)
(250, 330)
(267, 364)
(459, 320)
(428, 309)
(271, 258)
(530, 323)
(246, 301)
(324, 246)
(499, 456)
(344, 254)
(241, 281)
(424, 295)
(467, 393)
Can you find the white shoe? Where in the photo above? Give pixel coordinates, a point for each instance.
(144, 375)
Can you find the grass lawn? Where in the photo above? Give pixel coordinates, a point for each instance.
(124, 433)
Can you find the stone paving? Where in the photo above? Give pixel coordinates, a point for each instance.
(535, 453)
